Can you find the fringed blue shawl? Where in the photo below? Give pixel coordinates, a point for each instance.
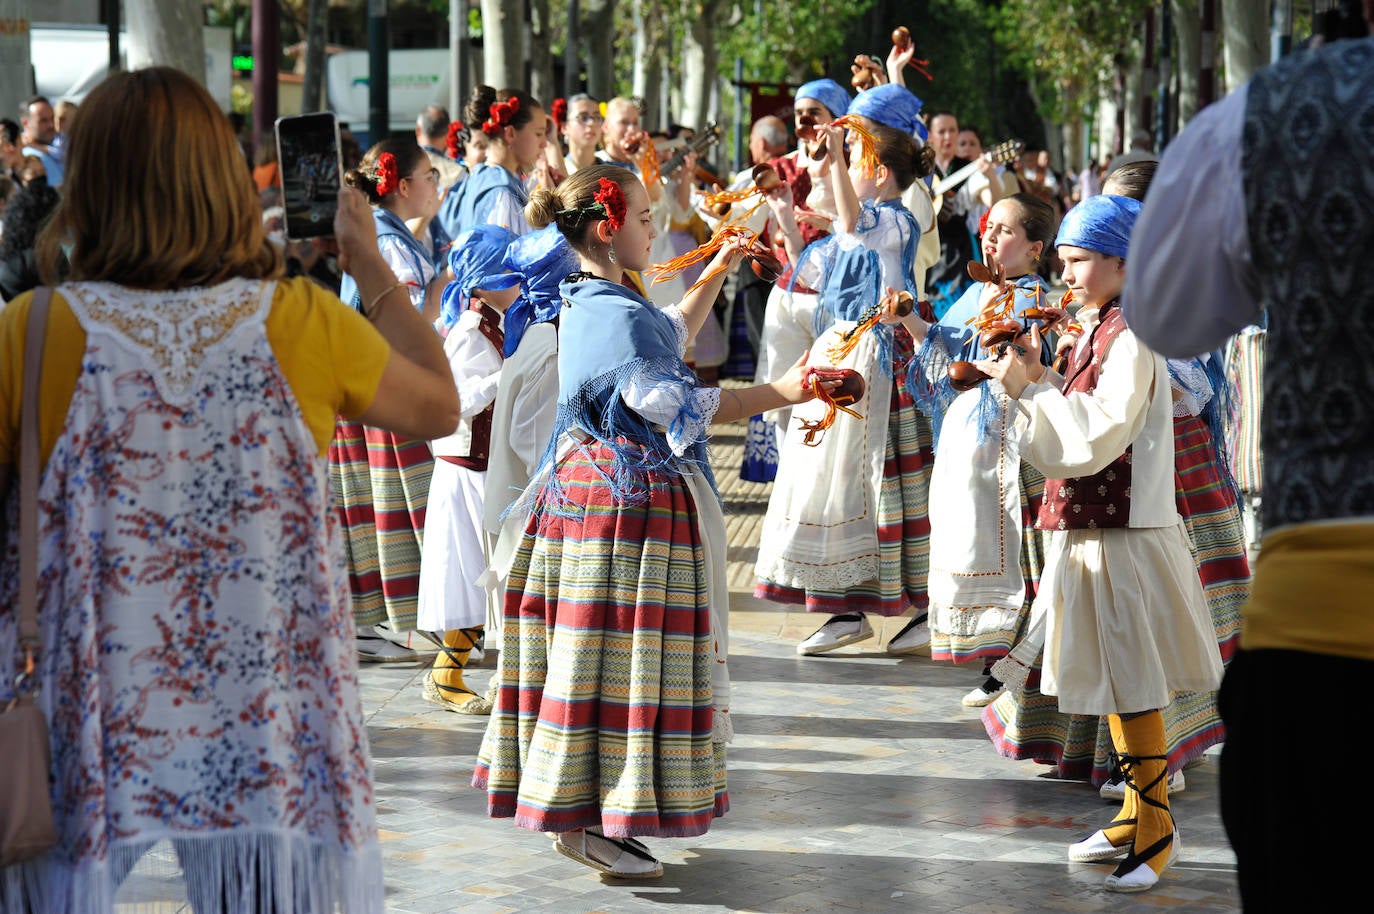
(953, 339)
(390, 225)
(608, 339)
(852, 276)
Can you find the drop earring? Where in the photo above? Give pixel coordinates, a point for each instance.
(610, 252)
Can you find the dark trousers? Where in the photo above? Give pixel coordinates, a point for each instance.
(1294, 799)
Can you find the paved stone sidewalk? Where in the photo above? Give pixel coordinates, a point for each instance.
(857, 783)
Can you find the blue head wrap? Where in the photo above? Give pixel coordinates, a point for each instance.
(1101, 223)
(828, 93)
(476, 261)
(542, 260)
(892, 105)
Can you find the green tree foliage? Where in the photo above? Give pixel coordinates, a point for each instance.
(1068, 48)
(790, 41)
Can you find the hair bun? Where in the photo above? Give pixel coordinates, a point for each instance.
(543, 207)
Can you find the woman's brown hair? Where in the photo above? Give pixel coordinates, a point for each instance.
(1130, 180)
(155, 194)
(571, 204)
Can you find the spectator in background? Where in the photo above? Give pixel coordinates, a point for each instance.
(582, 132)
(266, 172)
(431, 132)
(33, 171)
(62, 117)
(1142, 150)
(25, 213)
(40, 129)
(11, 150)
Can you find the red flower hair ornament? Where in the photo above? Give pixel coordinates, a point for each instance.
(502, 113)
(983, 224)
(612, 200)
(559, 112)
(455, 130)
(385, 174)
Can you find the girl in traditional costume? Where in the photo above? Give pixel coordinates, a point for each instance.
(1126, 623)
(1024, 723)
(846, 532)
(494, 192)
(452, 601)
(613, 708)
(381, 480)
(985, 555)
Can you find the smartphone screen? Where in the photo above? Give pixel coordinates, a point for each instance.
(308, 157)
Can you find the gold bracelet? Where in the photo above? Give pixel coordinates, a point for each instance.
(377, 300)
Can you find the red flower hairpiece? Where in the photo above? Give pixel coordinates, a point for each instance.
(983, 224)
(455, 129)
(559, 112)
(386, 176)
(612, 200)
(502, 114)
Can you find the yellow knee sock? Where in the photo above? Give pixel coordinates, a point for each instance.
(447, 672)
(1147, 777)
(1122, 830)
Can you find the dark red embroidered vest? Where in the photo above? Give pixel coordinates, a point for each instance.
(479, 449)
(1103, 499)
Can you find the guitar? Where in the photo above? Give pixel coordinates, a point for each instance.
(699, 142)
(1000, 154)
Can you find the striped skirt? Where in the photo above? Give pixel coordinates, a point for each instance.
(1030, 726)
(604, 712)
(903, 520)
(381, 486)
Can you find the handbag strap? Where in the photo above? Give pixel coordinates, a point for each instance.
(29, 472)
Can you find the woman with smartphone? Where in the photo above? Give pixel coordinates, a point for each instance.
(196, 643)
(381, 478)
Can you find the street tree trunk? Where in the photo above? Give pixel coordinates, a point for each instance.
(542, 85)
(598, 29)
(503, 25)
(312, 90)
(699, 61)
(167, 33)
(1245, 39)
(1188, 31)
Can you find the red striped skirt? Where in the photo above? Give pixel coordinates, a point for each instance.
(604, 716)
(381, 486)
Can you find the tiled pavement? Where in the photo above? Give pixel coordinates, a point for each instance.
(857, 782)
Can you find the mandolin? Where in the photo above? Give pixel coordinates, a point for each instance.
(700, 141)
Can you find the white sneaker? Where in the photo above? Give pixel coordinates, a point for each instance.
(912, 638)
(373, 647)
(839, 631)
(1116, 790)
(984, 695)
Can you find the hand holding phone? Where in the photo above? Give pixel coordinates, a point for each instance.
(311, 173)
(353, 228)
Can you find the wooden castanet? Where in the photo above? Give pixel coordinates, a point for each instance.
(851, 389)
(965, 375)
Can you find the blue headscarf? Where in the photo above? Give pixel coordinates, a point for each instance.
(1101, 223)
(542, 259)
(892, 105)
(477, 261)
(828, 93)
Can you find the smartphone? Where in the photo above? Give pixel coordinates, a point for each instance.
(311, 169)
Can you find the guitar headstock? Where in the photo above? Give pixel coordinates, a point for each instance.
(1005, 151)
